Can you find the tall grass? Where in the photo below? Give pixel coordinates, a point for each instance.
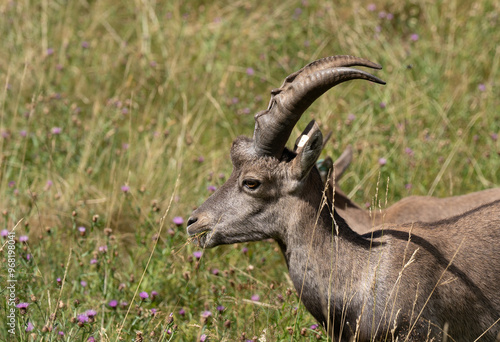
(113, 112)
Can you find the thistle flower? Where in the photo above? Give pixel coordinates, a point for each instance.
(23, 238)
(113, 303)
(125, 188)
(144, 295)
(211, 188)
(182, 312)
(414, 37)
(93, 261)
(481, 87)
(206, 314)
(382, 161)
(82, 319)
(56, 130)
(178, 221)
(4, 233)
(82, 231)
(83, 283)
(255, 298)
(220, 308)
(23, 307)
(197, 254)
(30, 326)
(250, 71)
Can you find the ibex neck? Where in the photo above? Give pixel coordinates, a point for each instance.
(327, 262)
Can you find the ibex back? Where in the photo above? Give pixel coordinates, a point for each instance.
(408, 210)
(407, 281)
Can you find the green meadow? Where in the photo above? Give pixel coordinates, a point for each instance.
(116, 120)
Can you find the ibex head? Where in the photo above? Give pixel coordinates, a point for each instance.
(270, 184)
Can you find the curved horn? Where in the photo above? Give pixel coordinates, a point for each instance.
(299, 90)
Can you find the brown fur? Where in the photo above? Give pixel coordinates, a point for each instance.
(413, 278)
(407, 210)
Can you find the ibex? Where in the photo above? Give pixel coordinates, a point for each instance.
(408, 210)
(402, 281)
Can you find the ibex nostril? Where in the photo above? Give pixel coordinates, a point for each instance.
(192, 220)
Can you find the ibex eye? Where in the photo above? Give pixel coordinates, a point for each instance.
(251, 184)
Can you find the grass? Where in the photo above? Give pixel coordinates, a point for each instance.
(118, 117)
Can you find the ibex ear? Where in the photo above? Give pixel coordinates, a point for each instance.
(308, 149)
(343, 162)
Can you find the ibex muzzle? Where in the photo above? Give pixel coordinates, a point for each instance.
(404, 281)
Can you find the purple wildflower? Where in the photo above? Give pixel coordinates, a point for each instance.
(82, 230)
(408, 186)
(244, 250)
(23, 238)
(371, 7)
(50, 51)
(85, 44)
(313, 327)
(113, 303)
(414, 37)
(409, 151)
(351, 117)
(83, 283)
(220, 308)
(93, 261)
(197, 254)
(91, 313)
(83, 318)
(250, 72)
(91, 339)
(23, 133)
(30, 326)
(103, 249)
(206, 314)
(178, 220)
(382, 161)
(56, 130)
(4, 233)
(123, 304)
(182, 312)
(125, 188)
(23, 308)
(201, 159)
(481, 87)
(215, 271)
(144, 295)
(203, 338)
(211, 188)
(61, 333)
(255, 298)
(12, 184)
(382, 105)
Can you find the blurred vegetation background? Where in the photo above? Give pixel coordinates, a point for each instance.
(117, 117)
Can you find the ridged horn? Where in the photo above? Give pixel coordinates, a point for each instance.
(274, 125)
